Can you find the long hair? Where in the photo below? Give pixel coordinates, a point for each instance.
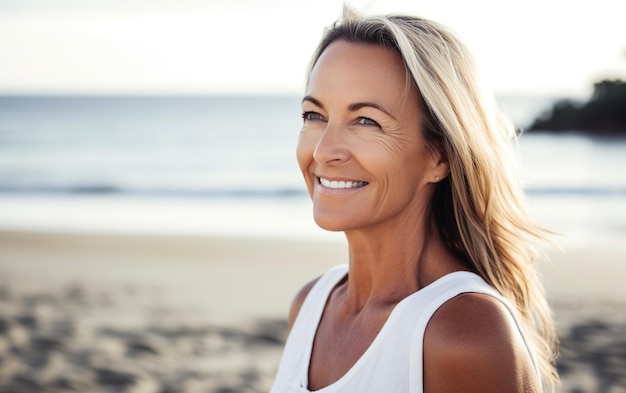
(480, 208)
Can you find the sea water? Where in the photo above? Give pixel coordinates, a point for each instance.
(226, 166)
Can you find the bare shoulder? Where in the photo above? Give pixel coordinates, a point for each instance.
(472, 344)
(296, 304)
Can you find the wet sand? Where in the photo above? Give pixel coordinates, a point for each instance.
(109, 313)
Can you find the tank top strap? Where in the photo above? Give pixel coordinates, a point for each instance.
(315, 301)
(310, 314)
(455, 284)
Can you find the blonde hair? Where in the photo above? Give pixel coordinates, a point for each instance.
(479, 209)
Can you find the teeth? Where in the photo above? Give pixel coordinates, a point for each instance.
(341, 184)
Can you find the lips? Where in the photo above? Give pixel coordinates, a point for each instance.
(341, 184)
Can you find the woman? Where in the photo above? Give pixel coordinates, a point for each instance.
(401, 150)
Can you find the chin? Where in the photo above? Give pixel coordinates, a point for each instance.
(330, 228)
(331, 222)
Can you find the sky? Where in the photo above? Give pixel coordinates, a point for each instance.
(531, 47)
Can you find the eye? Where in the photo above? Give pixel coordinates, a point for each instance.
(364, 121)
(311, 116)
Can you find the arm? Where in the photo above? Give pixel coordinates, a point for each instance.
(296, 304)
(473, 345)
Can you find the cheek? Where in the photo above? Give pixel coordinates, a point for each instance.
(402, 166)
(389, 157)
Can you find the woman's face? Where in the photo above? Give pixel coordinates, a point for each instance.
(361, 149)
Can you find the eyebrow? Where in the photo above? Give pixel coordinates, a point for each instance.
(353, 107)
(314, 100)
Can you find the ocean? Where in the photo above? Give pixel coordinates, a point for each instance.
(226, 166)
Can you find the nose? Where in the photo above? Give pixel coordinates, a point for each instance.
(331, 147)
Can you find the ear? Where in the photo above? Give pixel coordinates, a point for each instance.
(441, 172)
(440, 168)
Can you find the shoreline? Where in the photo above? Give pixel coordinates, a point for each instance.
(188, 267)
(144, 301)
(95, 256)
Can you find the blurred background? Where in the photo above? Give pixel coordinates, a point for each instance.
(147, 166)
(105, 104)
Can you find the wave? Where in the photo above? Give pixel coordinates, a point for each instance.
(278, 192)
(116, 190)
(577, 191)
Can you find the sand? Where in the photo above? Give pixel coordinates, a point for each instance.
(113, 313)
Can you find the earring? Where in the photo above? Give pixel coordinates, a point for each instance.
(436, 178)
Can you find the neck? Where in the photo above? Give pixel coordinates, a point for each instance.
(389, 263)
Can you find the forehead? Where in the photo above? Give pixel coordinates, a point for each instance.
(360, 71)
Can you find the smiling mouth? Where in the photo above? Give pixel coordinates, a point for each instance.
(341, 184)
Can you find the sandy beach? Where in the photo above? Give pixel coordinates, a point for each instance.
(122, 313)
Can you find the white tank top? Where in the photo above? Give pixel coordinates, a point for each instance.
(393, 361)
